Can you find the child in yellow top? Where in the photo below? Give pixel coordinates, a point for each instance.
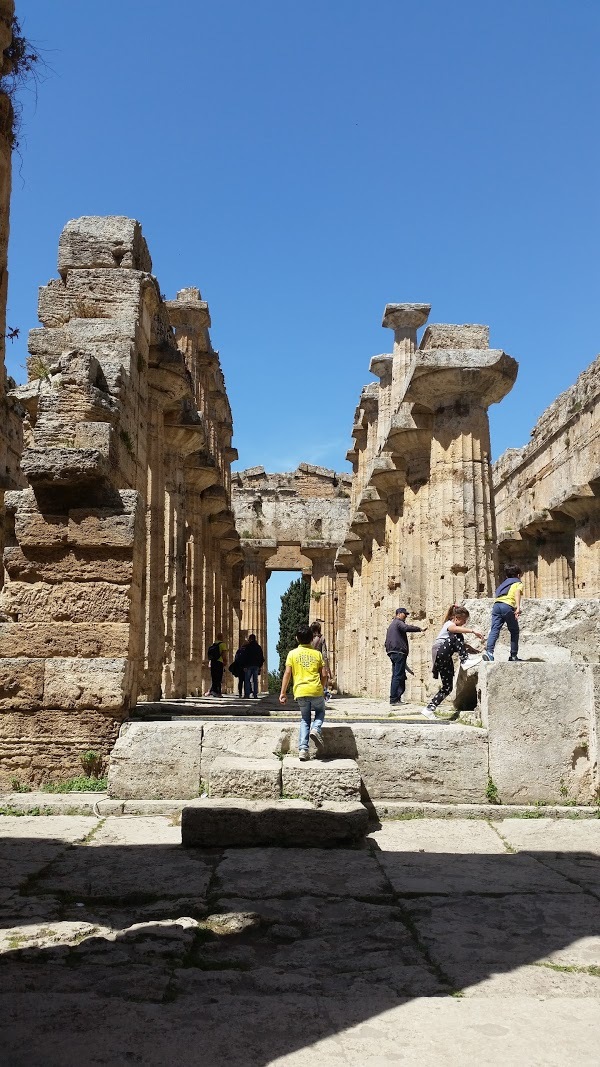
(305, 665)
(506, 609)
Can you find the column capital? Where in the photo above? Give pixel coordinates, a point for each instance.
(405, 317)
(442, 376)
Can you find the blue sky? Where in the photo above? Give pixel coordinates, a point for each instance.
(305, 163)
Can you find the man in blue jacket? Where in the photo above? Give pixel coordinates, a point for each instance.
(396, 646)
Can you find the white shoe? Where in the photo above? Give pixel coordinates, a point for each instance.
(428, 712)
(472, 661)
(303, 754)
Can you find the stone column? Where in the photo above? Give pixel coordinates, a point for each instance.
(584, 510)
(323, 597)
(404, 320)
(254, 596)
(457, 385)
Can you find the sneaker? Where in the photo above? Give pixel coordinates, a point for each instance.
(472, 661)
(394, 703)
(488, 657)
(303, 754)
(428, 712)
(514, 659)
(316, 737)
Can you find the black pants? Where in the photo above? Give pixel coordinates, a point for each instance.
(216, 676)
(444, 666)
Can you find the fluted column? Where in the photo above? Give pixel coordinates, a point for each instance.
(555, 567)
(584, 510)
(404, 320)
(254, 599)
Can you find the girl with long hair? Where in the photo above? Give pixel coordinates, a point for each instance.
(449, 641)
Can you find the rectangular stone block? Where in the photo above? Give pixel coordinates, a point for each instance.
(109, 241)
(102, 293)
(258, 779)
(41, 640)
(552, 629)
(157, 760)
(39, 563)
(318, 780)
(91, 527)
(539, 718)
(67, 602)
(443, 763)
(73, 683)
(248, 739)
(21, 683)
(243, 823)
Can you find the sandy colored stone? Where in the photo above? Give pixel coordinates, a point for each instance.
(233, 822)
(58, 565)
(248, 740)
(86, 683)
(67, 602)
(38, 639)
(21, 683)
(258, 779)
(156, 760)
(539, 719)
(317, 780)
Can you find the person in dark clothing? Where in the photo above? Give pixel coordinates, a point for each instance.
(216, 659)
(252, 660)
(396, 646)
(237, 667)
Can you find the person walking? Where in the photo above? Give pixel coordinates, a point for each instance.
(216, 658)
(506, 611)
(396, 646)
(305, 665)
(449, 641)
(252, 660)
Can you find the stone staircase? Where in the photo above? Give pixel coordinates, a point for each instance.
(285, 801)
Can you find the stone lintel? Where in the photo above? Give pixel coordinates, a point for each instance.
(446, 335)
(54, 467)
(405, 316)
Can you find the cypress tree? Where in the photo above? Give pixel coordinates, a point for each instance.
(295, 606)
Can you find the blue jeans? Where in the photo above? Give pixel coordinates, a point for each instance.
(503, 613)
(398, 676)
(306, 705)
(251, 681)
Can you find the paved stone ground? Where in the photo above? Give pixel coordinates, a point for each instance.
(452, 942)
(338, 709)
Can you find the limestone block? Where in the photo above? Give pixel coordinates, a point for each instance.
(551, 629)
(72, 683)
(155, 761)
(54, 305)
(110, 241)
(248, 739)
(40, 564)
(89, 527)
(444, 763)
(21, 683)
(45, 639)
(94, 435)
(55, 467)
(318, 780)
(539, 718)
(33, 528)
(258, 779)
(235, 823)
(450, 335)
(104, 293)
(67, 602)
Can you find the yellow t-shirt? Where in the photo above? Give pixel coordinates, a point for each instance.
(510, 597)
(306, 664)
(222, 650)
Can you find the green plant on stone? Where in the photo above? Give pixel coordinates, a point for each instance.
(81, 784)
(126, 439)
(18, 787)
(491, 792)
(92, 763)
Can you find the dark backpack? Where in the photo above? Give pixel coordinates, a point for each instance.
(214, 651)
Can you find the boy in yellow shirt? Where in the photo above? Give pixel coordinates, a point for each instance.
(305, 664)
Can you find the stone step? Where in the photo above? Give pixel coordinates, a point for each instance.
(321, 779)
(233, 823)
(244, 777)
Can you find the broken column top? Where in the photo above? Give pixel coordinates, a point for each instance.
(405, 316)
(449, 335)
(102, 241)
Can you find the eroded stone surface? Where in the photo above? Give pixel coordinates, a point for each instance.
(317, 780)
(245, 777)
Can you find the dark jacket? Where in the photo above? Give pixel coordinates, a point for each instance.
(252, 655)
(396, 639)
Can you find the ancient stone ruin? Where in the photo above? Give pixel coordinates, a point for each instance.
(128, 545)
(121, 554)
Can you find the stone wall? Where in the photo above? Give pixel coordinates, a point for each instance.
(421, 532)
(548, 496)
(291, 521)
(121, 557)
